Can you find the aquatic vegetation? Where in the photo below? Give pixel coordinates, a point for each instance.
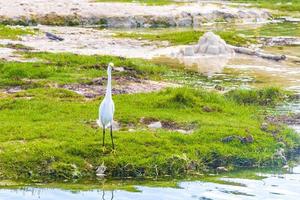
(187, 37)
(13, 33)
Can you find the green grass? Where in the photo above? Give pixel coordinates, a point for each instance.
(67, 68)
(13, 33)
(282, 5)
(263, 97)
(49, 135)
(71, 68)
(234, 37)
(186, 37)
(274, 29)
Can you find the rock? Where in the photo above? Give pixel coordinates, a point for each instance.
(100, 171)
(264, 126)
(222, 169)
(13, 90)
(285, 167)
(115, 126)
(155, 125)
(119, 69)
(248, 139)
(245, 140)
(51, 36)
(247, 51)
(220, 88)
(212, 44)
(228, 139)
(209, 44)
(207, 109)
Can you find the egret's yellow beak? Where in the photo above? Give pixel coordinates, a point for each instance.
(111, 64)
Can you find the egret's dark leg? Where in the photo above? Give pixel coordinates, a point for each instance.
(103, 138)
(112, 140)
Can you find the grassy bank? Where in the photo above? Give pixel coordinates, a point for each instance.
(282, 5)
(186, 37)
(49, 133)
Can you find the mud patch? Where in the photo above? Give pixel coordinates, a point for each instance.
(293, 119)
(123, 85)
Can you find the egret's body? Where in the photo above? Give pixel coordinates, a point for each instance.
(107, 107)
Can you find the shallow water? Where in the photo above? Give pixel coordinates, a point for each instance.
(274, 186)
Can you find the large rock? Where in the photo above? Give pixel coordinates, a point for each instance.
(121, 15)
(212, 44)
(209, 55)
(209, 44)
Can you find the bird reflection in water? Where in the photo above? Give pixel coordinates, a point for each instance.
(107, 198)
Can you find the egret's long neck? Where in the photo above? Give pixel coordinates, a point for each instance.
(108, 87)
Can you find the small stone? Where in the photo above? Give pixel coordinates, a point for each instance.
(155, 125)
(248, 139)
(264, 126)
(119, 69)
(228, 139)
(285, 167)
(115, 126)
(207, 109)
(222, 169)
(100, 171)
(219, 87)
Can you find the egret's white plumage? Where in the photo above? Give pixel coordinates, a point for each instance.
(107, 106)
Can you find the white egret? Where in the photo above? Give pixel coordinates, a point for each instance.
(107, 107)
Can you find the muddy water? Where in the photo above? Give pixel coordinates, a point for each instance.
(285, 74)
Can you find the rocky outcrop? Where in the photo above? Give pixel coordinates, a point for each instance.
(212, 45)
(209, 44)
(122, 15)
